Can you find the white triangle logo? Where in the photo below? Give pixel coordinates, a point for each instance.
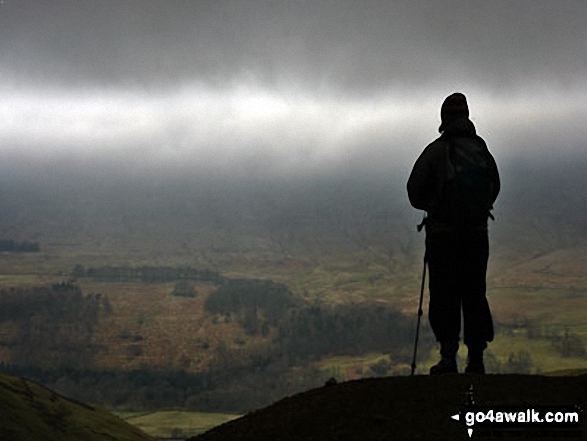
(455, 417)
(470, 432)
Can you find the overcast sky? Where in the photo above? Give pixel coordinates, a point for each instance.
(283, 87)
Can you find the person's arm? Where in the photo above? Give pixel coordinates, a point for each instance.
(495, 182)
(420, 183)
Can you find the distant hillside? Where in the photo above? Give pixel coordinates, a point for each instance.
(401, 408)
(31, 412)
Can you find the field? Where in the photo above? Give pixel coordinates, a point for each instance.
(150, 326)
(175, 424)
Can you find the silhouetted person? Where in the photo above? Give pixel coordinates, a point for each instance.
(455, 180)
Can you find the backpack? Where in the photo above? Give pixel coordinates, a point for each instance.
(465, 195)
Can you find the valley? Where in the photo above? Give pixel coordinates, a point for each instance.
(346, 258)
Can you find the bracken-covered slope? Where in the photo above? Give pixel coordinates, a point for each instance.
(400, 408)
(31, 412)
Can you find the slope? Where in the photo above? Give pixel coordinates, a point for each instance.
(33, 412)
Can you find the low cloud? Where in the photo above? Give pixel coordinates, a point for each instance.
(248, 129)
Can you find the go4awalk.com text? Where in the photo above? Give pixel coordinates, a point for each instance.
(556, 418)
(519, 420)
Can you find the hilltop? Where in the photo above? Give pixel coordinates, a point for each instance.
(398, 408)
(33, 412)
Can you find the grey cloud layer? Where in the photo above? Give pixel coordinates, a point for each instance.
(339, 45)
(291, 87)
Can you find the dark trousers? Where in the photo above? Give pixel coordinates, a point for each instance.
(457, 263)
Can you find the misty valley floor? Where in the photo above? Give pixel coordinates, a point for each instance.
(402, 408)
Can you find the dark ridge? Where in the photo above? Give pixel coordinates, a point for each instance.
(401, 408)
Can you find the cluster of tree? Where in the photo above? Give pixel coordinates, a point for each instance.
(148, 274)
(184, 288)
(54, 324)
(23, 247)
(348, 329)
(236, 390)
(256, 303)
(566, 343)
(381, 368)
(308, 332)
(55, 329)
(569, 344)
(237, 379)
(517, 363)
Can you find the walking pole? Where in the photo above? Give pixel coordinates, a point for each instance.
(420, 312)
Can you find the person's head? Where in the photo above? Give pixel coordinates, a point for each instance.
(454, 107)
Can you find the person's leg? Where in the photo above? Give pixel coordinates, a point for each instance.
(444, 311)
(475, 363)
(478, 323)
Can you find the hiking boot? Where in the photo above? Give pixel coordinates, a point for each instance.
(448, 362)
(445, 366)
(475, 368)
(475, 364)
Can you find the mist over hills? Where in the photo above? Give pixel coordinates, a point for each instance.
(540, 202)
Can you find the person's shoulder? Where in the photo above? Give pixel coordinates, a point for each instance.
(441, 140)
(483, 144)
(479, 139)
(435, 147)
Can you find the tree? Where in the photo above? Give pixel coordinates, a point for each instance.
(184, 288)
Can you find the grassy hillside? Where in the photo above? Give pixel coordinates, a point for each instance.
(33, 412)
